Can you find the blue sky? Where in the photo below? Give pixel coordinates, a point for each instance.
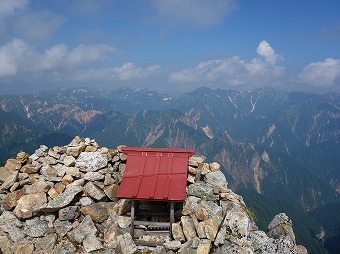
(169, 45)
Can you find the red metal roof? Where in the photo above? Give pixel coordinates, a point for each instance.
(155, 174)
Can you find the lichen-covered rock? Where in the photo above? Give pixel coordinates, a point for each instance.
(264, 244)
(63, 199)
(216, 179)
(35, 227)
(91, 161)
(69, 213)
(281, 225)
(11, 225)
(202, 191)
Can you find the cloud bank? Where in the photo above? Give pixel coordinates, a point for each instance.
(234, 71)
(321, 74)
(128, 71)
(19, 57)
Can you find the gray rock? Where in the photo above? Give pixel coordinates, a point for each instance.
(62, 227)
(242, 247)
(93, 191)
(49, 218)
(64, 248)
(124, 221)
(264, 244)
(84, 229)
(73, 171)
(9, 224)
(281, 225)
(91, 161)
(93, 176)
(75, 151)
(233, 198)
(35, 227)
(190, 205)
(61, 169)
(69, 161)
(202, 190)
(204, 246)
(111, 191)
(47, 160)
(126, 244)
(110, 234)
(49, 171)
(216, 179)
(234, 227)
(26, 247)
(53, 153)
(75, 142)
(92, 243)
(34, 157)
(189, 247)
(195, 159)
(40, 153)
(46, 243)
(63, 199)
(213, 209)
(69, 213)
(85, 201)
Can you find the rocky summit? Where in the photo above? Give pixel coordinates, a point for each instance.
(62, 200)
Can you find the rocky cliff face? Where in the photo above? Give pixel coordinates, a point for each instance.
(62, 200)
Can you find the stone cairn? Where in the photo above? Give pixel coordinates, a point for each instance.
(62, 200)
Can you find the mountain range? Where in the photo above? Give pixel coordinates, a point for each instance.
(273, 145)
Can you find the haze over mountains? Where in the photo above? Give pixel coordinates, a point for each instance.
(270, 143)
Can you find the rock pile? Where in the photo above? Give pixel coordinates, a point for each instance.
(63, 200)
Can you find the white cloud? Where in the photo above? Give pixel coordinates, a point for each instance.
(128, 71)
(266, 51)
(10, 55)
(203, 13)
(9, 7)
(234, 71)
(84, 54)
(321, 74)
(17, 57)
